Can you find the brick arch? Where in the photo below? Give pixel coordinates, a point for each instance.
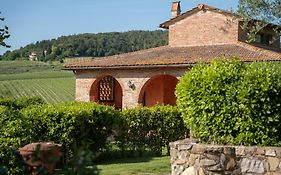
(116, 96)
(159, 89)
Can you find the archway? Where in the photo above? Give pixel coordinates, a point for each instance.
(107, 90)
(159, 90)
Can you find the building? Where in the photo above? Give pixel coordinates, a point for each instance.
(150, 76)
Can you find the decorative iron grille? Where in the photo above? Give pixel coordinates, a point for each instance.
(106, 89)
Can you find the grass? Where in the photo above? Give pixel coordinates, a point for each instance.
(45, 80)
(136, 166)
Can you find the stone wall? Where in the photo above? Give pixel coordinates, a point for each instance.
(190, 158)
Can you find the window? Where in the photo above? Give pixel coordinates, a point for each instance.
(265, 39)
(106, 89)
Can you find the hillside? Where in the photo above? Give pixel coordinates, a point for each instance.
(89, 45)
(46, 80)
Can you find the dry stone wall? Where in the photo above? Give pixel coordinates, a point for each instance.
(191, 158)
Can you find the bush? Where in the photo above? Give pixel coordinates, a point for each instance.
(151, 128)
(72, 124)
(17, 104)
(230, 102)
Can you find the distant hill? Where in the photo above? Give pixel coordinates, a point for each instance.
(89, 45)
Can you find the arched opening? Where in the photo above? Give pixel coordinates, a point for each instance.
(159, 90)
(107, 90)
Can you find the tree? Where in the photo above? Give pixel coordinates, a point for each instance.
(4, 34)
(260, 13)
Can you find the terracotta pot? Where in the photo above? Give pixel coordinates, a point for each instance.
(41, 154)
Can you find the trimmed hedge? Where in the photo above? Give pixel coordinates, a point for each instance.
(72, 124)
(231, 102)
(151, 128)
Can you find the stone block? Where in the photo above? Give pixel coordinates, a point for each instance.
(198, 149)
(184, 147)
(252, 166)
(240, 150)
(231, 164)
(189, 171)
(229, 150)
(270, 152)
(273, 163)
(250, 150)
(192, 158)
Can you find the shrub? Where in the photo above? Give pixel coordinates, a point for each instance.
(17, 104)
(230, 102)
(72, 124)
(151, 128)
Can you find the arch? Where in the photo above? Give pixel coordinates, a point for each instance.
(158, 89)
(107, 90)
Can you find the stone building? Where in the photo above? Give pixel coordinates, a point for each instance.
(148, 77)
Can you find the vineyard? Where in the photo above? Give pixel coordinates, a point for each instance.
(45, 80)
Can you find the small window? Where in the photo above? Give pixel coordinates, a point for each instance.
(106, 89)
(265, 39)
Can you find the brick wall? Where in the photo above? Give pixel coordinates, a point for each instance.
(86, 78)
(204, 28)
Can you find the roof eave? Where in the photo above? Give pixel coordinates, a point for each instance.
(128, 66)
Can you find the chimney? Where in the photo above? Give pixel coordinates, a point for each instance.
(176, 9)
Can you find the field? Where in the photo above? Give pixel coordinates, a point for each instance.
(46, 80)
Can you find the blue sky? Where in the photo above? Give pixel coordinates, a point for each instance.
(34, 20)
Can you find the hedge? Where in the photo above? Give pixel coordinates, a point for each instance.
(231, 102)
(151, 128)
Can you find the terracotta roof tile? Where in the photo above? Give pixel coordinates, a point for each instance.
(167, 55)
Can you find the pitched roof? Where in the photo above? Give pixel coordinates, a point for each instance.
(204, 7)
(196, 9)
(178, 56)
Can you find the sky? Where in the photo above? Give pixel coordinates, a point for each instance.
(35, 20)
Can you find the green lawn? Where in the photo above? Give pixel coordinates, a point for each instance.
(137, 166)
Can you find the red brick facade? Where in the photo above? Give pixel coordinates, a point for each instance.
(204, 28)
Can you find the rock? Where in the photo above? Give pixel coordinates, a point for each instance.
(198, 149)
(231, 164)
(180, 162)
(270, 152)
(207, 162)
(260, 151)
(189, 171)
(240, 150)
(229, 151)
(184, 147)
(273, 163)
(252, 166)
(192, 159)
(256, 166)
(250, 150)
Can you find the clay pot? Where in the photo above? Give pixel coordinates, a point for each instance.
(41, 154)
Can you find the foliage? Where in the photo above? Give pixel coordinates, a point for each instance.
(17, 104)
(4, 34)
(93, 45)
(151, 128)
(71, 124)
(264, 11)
(230, 102)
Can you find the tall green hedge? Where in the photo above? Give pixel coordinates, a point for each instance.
(71, 124)
(151, 128)
(232, 102)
